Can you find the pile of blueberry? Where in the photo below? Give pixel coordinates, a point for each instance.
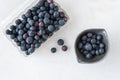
(60, 42)
(91, 45)
(36, 25)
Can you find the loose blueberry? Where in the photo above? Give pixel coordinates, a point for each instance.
(60, 42)
(53, 50)
(64, 48)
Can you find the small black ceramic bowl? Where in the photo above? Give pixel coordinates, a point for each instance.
(80, 57)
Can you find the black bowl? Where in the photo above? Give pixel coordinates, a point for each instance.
(80, 57)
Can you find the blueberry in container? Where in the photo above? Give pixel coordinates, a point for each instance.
(91, 45)
(33, 23)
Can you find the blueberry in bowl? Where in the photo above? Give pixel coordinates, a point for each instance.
(91, 45)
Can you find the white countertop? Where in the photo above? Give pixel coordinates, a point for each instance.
(43, 65)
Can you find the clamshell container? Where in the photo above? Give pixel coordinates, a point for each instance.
(17, 14)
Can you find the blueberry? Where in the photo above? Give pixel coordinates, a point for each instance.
(20, 38)
(60, 42)
(47, 15)
(27, 25)
(89, 35)
(31, 33)
(25, 35)
(64, 48)
(62, 14)
(34, 8)
(12, 27)
(84, 38)
(49, 1)
(18, 21)
(42, 8)
(41, 14)
(99, 37)
(45, 36)
(21, 32)
(18, 44)
(21, 26)
(29, 40)
(41, 24)
(37, 45)
(41, 32)
(101, 45)
(32, 45)
(8, 32)
(94, 46)
(61, 22)
(51, 11)
(23, 48)
(88, 39)
(88, 46)
(31, 22)
(28, 46)
(28, 14)
(88, 56)
(80, 45)
(56, 8)
(24, 17)
(52, 5)
(40, 20)
(26, 52)
(14, 32)
(36, 24)
(23, 43)
(12, 36)
(46, 20)
(35, 18)
(56, 14)
(32, 28)
(93, 52)
(85, 52)
(51, 28)
(97, 52)
(53, 50)
(37, 37)
(93, 41)
(31, 50)
(101, 51)
(46, 4)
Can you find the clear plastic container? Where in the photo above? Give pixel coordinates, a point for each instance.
(17, 15)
